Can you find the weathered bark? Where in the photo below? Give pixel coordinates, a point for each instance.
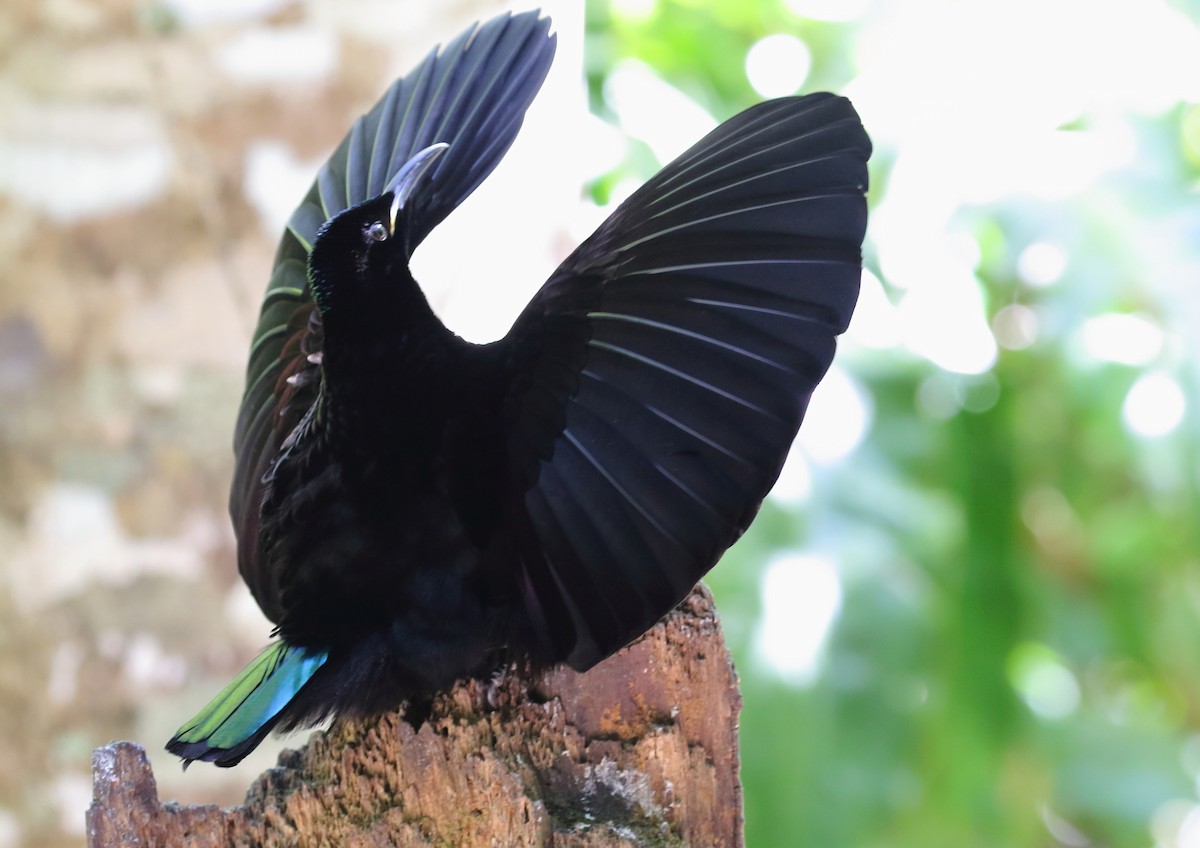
(641, 750)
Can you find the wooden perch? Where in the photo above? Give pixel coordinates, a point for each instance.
(641, 750)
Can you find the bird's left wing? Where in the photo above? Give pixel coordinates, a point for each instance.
(660, 376)
(471, 94)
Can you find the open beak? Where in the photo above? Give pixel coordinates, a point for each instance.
(409, 177)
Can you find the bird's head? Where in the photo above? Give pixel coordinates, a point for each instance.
(358, 248)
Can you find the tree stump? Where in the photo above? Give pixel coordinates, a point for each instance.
(641, 750)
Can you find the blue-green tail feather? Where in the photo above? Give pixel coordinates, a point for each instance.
(234, 722)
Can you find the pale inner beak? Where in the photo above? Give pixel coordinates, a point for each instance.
(408, 178)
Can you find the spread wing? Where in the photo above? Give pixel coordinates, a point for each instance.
(471, 94)
(668, 364)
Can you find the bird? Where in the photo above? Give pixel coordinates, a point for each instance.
(413, 509)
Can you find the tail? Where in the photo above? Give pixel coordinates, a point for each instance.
(239, 718)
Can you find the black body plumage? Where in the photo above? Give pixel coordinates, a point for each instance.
(412, 508)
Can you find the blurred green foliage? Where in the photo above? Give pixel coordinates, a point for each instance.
(1016, 656)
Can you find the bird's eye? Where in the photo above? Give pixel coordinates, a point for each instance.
(376, 232)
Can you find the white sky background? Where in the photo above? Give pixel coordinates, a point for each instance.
(527, 216)
(974, 100)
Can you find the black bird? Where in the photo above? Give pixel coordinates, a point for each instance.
(412, 508)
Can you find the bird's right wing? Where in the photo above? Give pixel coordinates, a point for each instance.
(471, 94)
(661, 374)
